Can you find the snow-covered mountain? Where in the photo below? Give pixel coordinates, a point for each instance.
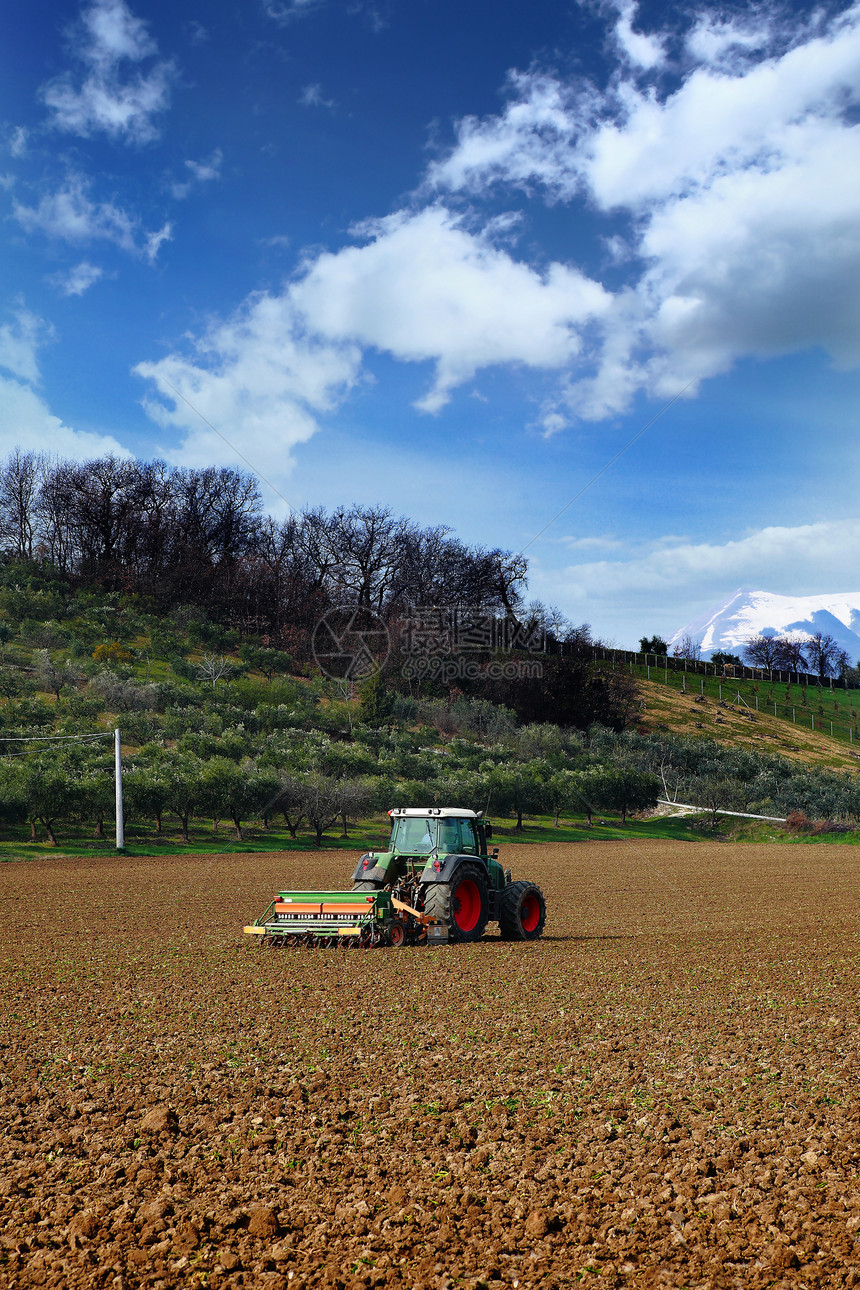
(761, 613)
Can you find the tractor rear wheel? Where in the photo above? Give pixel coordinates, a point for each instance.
(364, 885)
(463, 904)
(522, 912)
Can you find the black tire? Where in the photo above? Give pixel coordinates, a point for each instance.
(365, 885)
(522, 912)
(463, 905)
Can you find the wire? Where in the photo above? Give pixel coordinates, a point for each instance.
(603, 469)
(230, 445)
(11, 739)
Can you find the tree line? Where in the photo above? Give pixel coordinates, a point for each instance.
(195, 547)
(308, 780)
(818, 653)
(200, 536)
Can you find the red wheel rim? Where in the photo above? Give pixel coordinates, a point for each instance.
(530, 912)
(398, 936)
(467, 905)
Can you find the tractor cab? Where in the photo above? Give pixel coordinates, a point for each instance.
(415, 835)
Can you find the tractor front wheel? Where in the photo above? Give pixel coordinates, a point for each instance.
(463, 904)
(522, 912)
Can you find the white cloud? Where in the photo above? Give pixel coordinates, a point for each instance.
(200, 172)
(125, 105)
(424, 288)
(19, 342)
(639, 49)
(78, 279)
(18, 141)
(740, 185)
(284, 11)
(668, 583)
(152, 242)
(70, 215)
(531, 143)
(606, 543)
(27, 422)
(259, 378)
(421, 288)
(312, 96)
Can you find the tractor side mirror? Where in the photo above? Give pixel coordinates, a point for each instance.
(488, 829)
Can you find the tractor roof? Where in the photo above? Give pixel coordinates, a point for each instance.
(434, 812)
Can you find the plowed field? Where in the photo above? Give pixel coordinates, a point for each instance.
(662, 1092)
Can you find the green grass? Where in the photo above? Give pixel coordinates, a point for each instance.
(142, 840)
(371, 835)
(807, 707)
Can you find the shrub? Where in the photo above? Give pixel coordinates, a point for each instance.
(112, 652)
(798, 822)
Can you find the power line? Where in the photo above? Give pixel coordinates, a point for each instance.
(603, 469)
(9, 739)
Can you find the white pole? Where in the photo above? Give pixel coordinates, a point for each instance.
(117, 761)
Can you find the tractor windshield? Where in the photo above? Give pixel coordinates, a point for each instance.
(413, 836)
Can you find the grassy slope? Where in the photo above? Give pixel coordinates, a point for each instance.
(732, 723)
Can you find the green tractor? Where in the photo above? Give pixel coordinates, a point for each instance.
(436, 882)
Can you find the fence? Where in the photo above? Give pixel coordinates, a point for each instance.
(821, 707)
(700, 667)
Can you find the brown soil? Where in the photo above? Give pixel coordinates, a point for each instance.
(662, 1092)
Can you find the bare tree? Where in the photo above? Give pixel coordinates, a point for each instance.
(20, 481)
(214, 667)
(687, 648)
(824, 655)
(790, 653)
(761, 651)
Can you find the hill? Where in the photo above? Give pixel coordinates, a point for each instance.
(224, 735)
(736, 724)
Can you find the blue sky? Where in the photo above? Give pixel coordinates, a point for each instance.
(452, 258)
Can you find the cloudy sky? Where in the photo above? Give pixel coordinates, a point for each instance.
(575, 278)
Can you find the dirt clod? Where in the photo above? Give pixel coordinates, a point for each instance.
(263, 1222)
(161, 1119)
